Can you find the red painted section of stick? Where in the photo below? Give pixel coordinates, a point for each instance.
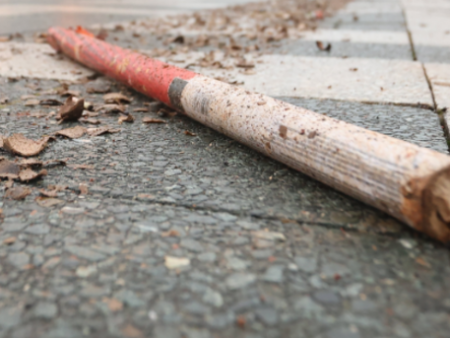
(148, 76)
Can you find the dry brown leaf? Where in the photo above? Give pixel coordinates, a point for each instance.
(28, 174)
(9, 169)
(5, 38)
(75, 132)
(91, 121)
(17, 193)
(55, 162)
(1, 141)
(321, 46)
(56, 187)
(71, 110)
(75, 93)
(19, 144)
(140, 110)
(116, 98)
(101, 131)
(170, 233)
(31, 103)
(111, 108)
(9, 184)
(189, 133)
(84, 190)
(152, 120)
(126, 118)
(3, 100)
(47, 202)
(9, 240)
(49, 193)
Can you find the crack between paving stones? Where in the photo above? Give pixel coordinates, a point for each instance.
(326, 225)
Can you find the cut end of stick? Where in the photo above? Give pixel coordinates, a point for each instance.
(436, 202)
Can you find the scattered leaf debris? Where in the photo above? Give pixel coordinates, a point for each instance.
(101, 131)
(81, 166)
(19, 144)
(116, 98)
(9, 170)
(48, 193)
(126, 118)
(189, 133)
(111, 108)
(91, 121)
(48, 202)
(72, 133)
(17, 193)
(84, 190)
(31, 102)
(321, 46)
(50, 102)
(152, 120)
(28, 174)
(71, 110)
(140, 110)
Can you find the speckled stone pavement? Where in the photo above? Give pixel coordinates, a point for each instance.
(199, 236)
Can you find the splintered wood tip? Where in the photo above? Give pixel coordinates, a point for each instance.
(436, 201)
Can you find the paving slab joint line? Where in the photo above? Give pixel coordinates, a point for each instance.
(331, 226)
(410, 38)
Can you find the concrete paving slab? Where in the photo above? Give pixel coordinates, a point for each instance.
(356, 79)
(315, 261)
(354, 36)
(415, 125)
(38, 61)
(439, 75)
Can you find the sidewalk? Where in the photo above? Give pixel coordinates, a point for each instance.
(262, 250)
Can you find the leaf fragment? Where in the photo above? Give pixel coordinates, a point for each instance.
(101, 131)
(126, 118)
(28, 174)
(116, 98)
(9, 169)
(321, 46)
(50, 102)
(17, 193)
(19, 144)
(71, 110)
(75, 132)
(47, 202)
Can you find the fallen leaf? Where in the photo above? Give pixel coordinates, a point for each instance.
(71, 110)
(88, 114)
(91, 121)
(114, 305)
(50, 102)
(3, 100)
(39, 114)
(126, 118)
(152, 120)
(138, 110)
(130, 331)
(101, 131)
(19, 144)
(111, 108)
(353, 69)
(176, 262)
(189, 133)
(46, 202)
(48, 193)
(54, 162)
(9, 169)
(320, 45)
(116, 98)
(31, 103)
(28, 174)
(5, 38)
(56, 187)
(75, 132)
(241, 321)
(75, 93)
(9, 184)
(17, 193)
(83, 189)
(9, 240)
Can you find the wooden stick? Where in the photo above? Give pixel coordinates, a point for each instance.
(406, 181)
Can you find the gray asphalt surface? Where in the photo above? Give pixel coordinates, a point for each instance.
(272, 252)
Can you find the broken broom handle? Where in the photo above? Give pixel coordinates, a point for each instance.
(406, 181)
